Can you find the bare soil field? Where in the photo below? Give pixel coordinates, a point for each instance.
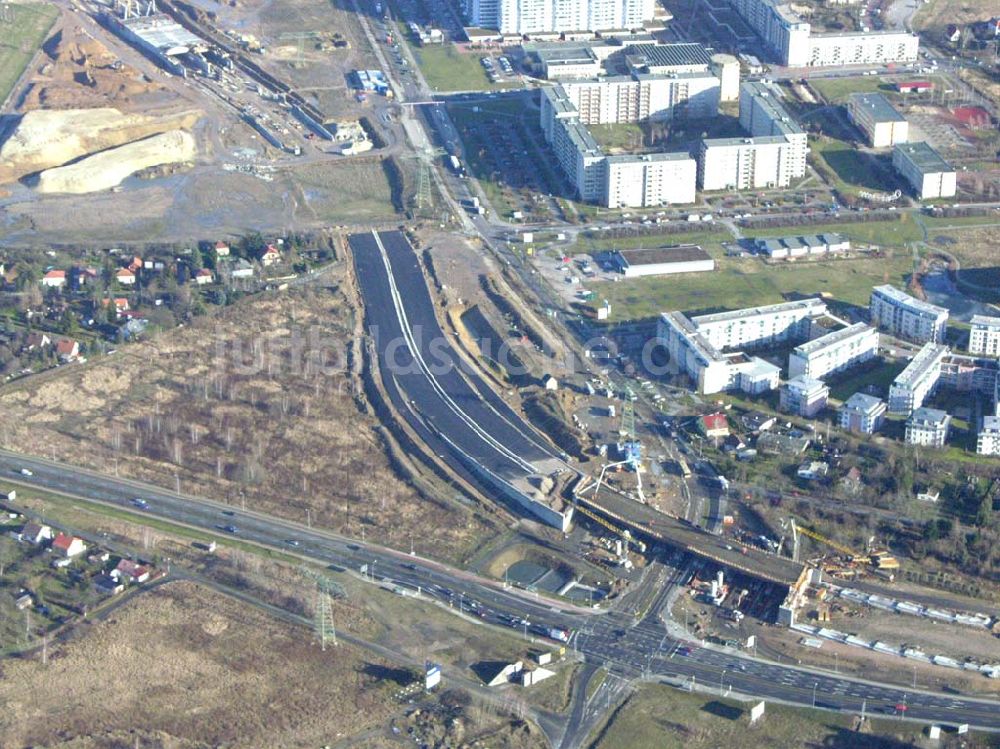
(183, 666)
(940, 13)
(253, 405)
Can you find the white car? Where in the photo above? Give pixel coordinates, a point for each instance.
(26, 472)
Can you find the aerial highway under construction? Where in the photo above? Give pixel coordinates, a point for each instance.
(457, 414)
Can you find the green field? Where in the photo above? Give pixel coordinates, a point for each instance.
(659, 717)
(835, 90)
(626, 136)
(855, 169)
(878, 373)
(880, 233)
(447, 69)
(20, 39)
(746, 282)
(709, 239)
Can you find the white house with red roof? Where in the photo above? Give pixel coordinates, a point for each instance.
(714, 425)
(221, 249)
(130, 572)
(54, 279)
(67, 349)
(271, 256)
(125, 277)
(68, 546)
(203, 277)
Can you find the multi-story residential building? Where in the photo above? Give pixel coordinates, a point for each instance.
(793, 43)
(668, 59)
(903, 316)
(988, 438)
(803, 396)
(927, 427)
(760, 326)
(862, 413)
(929, 175)
(555, 16)
(644, 96)
(834, 352)
(749, 163)
(920, 378)
(649, 179)
(984, 336)
(878, 120)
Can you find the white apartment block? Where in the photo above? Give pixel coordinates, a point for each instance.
(834, 352)
(984, 336)
(803, 396)
(903, 316)
(760, 326)
(862, 413)
(929, 175)
(637, 180)
(650, 180)
(749, 163)
(988, 439)
(791, 41)
(927, 427)
(556, 16)
(644, 96)
(873, 115)
(920, 378)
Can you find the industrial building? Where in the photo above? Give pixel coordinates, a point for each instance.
(927, 427)
(557, 16)
(834, 352)
(760, 326)
(920, 378)
(873, 115)
(922, 167)
(803, 396)
(162, 38)
(862, 414)
(778, 248)
(903, 316)
(792, 42)
(984, 336)
(661, 261)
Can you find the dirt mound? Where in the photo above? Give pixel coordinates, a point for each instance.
(47, 138)
(104, 170)
(78, 71)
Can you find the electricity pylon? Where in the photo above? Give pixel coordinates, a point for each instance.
(326, 590)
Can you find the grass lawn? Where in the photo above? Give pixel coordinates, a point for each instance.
(708, 239)
(877, 373)
(626, 136)
(362, 191)
(881, 233)
(836, 90)
(21, 39)
(659, 717)
(853, 168)
(746, 282)
(447, 69)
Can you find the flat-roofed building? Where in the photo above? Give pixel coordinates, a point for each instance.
(928, 427)
(660, 261)
(567, 61)
(984, 336)
(971, 374)
(803, 396)
(749, 163)
(727, 70)
(557, 16)
(920, 378)
(904, 316)
(691, 354)
(877, 119)
(637, 97)
(834, 352)
(778, 248)
(929, 175)
(664, 59)
(655, 179)
(988, 438)
(862, 413)
(754, 375)
(760, 326)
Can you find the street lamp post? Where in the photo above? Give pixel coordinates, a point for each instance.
(815, 685)
(721, 675)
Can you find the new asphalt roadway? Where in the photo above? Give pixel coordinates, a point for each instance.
(633, 649)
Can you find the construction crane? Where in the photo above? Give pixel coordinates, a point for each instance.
(880, 559)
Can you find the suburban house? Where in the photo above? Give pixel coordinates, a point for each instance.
(714, 425)
(67, 349)
(242, 269)
(24, 601)
(271, 256)
(120, 302)
(68, 546)
(125, 277)
(36, 341)
(130, 572)
(54, 279)
(203, 277)
(135, 264)
(86, 275)
(221, 249)
(108, 585)
(36, 533)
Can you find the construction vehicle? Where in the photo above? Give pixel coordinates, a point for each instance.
(879, 559)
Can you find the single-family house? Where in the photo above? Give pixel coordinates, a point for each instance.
(242, 269)
(68, 546)
(67, 349)
(36, 341)
(221, 249)
(130, 572)
(108, 585)
(54, 279)
(133, 327)
(813, 470)
(23, 601)
(120, 302)
(758, 421)
(549, 382)
(134, 264)
(714, 425)
(203, 277)
(86, 276)
(271, 256)
(125, 277)
(36, 533)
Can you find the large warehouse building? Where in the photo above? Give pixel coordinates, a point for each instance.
(661, 261)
